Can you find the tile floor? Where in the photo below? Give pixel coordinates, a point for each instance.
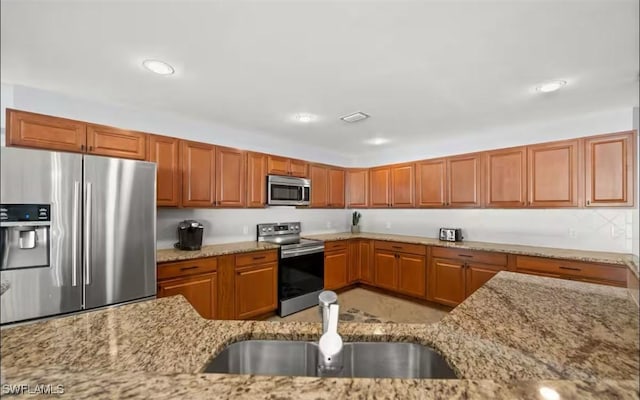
(381, 305)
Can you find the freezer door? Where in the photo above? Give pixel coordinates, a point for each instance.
(119, 230)
(38, 284)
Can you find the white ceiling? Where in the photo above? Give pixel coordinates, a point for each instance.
(421, 69)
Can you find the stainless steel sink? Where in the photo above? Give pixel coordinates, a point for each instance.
(361, 360)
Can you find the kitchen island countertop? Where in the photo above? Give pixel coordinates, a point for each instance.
(514, 335)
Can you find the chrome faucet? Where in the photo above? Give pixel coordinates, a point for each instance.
(330, 346)
(325, 299)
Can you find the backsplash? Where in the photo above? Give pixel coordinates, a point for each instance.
(582, 229)
(237, 225)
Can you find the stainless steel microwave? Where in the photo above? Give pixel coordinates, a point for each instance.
(288, 191)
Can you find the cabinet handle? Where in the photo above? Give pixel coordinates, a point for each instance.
(90, 148)
(188, 268)
(82, 147)
(570, 268)
(588, 202)
(259, 258)
(465, 255)
(397, 247)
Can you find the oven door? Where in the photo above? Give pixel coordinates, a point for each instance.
(300, 275)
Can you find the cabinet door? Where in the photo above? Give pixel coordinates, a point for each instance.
(412, 277)
(319, 185)
(553, 174)
(447, 281)
(477, 275)
(463, 189)
(199, 290)
(358, 188)
(336, 265)
(336, 188)
(386, 274)
(230, 177)
(114, 142)
(354, 261)
(198, 178)
(379, 184)
(506, 178)
(298, 168)
(278, 165)
(365, 261)
(45, 132)
(165, 152)
(609, 170)
(256, 180)
(431, 178)
(256, 290)
(402, 186)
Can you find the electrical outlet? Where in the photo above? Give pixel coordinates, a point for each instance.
(245, 230)
(572, 233)
(329, 224)
(388, 225)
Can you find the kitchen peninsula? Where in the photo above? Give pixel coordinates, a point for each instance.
(516, 335)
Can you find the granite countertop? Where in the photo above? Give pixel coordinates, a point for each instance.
(537, 251)
(512, 336)
(212, 250)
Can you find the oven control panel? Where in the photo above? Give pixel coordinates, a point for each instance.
(276, 229)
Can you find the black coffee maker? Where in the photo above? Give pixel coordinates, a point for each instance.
(189, 235)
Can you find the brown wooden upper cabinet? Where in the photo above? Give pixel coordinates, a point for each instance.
(165, 152)
(40, 131)
(379, 184)
(392, 186)
(506, 178)
(327, 186)
(319, 186)
(287, 166)
(27, 129)
(230, 177)
(114, 142)
(553, 174)
(609, 170)
(463, 173)
(198, 174)
(256, 179)
(431, 183)
(358, 188)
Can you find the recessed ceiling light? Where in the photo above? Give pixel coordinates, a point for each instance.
(159, 67)
(377, 141)
(550, 86)
(305, 117)
(355, 117)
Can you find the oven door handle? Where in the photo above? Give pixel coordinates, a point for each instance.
(301, 252)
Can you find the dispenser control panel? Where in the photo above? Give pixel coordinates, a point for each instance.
(25, 212)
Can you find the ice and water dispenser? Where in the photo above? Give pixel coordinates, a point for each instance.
(24, 235)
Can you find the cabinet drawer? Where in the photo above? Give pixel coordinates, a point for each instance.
(401, 247)
(256, 257)
(569, 268)
(186, 268)
(483, 257)
(335, 245)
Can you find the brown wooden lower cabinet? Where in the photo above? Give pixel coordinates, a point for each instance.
(446, 280)
(477, 275)
(336, 266)
(199, 290)
(614, 275)
(401, 272)
(365, 260)
(256, 290)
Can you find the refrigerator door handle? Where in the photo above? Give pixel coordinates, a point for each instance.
(87, 242)
(74, 238)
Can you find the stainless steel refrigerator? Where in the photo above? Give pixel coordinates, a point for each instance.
(76, 232)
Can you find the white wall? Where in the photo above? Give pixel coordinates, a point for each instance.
(6, 100)
(584, 229)
(237, 225)
(635, 213)
(164, 123)
(497, 137)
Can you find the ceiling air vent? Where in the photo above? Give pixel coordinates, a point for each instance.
(355, 117)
